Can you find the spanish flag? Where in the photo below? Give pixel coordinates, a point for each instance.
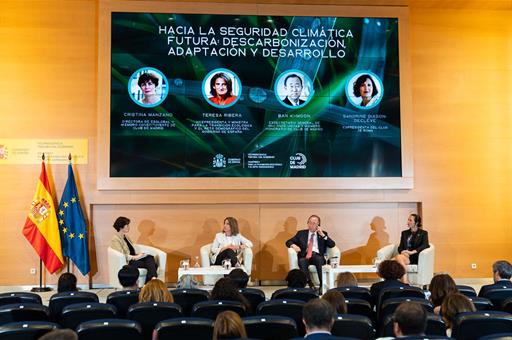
(41, 228)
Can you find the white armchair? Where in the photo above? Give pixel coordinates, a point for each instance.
(116, 261)
(293, 261)
(419, 274)
(205, 262)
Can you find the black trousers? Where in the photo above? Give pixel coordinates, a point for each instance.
(147, 262)
(316, 260)
(229, 254)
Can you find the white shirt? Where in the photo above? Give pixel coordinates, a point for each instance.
(222, 240)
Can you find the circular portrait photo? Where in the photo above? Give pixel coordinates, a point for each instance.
(148, 87)
(222, 88)
(294, 89)
(364, 90)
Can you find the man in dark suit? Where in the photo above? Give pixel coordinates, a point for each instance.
(502, 271)
(318, 317)
(293, 87)
(310, 245)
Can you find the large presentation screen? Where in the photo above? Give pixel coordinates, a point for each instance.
(197, 95)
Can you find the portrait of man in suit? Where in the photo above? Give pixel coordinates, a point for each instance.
(293, 85)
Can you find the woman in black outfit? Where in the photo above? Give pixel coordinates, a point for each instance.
(412, 242)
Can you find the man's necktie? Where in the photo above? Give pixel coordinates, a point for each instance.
(310, 247)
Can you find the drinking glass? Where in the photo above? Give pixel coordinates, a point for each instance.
(197, 265)
(184, 264)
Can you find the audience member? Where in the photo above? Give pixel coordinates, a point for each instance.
(440, 287)
(318, 317)
(502, 271)
(67, 283)
(128, 276)
(226, 289)
(187, 281)
(391, 271)
(239, 277)
(296, 279)
(409, 319)
(60, 334)
(346, 279)
(452, 305)
(155, 291)
(228, 325)
(337, 301)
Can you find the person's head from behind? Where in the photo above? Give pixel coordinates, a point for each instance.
(60, 334)
(296, 279)
(187, 281)
(337, 301)
(502, 270)
(454, 304)
(440, 287)
(155, 291)
(365, 87)
(410, 318)
(228, 325)
(293, 86)
(346, 279)
(67, 283)
(122, 224)
(225, 289)
(318, 315)
(230, 227)
(128, 276)
(148, 83)
(221, 85)
(391, 270)
(239, 277)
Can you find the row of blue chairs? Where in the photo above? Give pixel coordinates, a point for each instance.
(467, 326)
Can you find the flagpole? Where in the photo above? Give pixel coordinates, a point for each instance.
(41, 288)
(67, 258)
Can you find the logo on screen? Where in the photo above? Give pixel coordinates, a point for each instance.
(219, 161)
(298, 161)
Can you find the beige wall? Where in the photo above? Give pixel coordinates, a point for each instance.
(461, 65)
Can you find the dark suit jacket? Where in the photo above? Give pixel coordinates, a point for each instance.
(377, 287)
(288, 102)
(301, 240)
(419, 242)
(500, 284)
(321, 336)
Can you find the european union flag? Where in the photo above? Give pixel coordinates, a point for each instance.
(73, 231)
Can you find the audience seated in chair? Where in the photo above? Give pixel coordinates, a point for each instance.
(128, 276)
(318, 317)
(440, 287)
(346, 279)
(226, 289)
(66, 283)
(337, 301)
(452, 305)
(502, 272)
(239, 277)
(228, 325)
(187, 281)
(296, 279)
(155, 291)
(391, 271)
(60, 334)
(410, 319)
